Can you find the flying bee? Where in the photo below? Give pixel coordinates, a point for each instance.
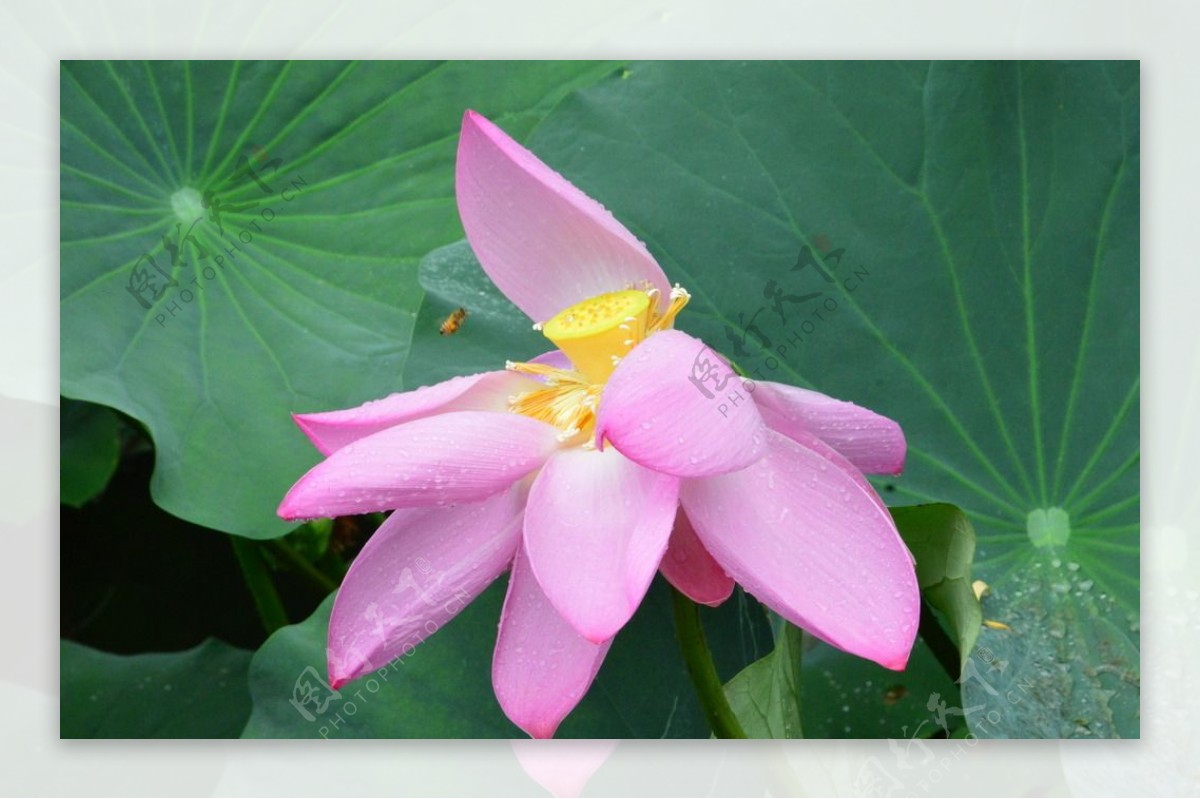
(453, 322)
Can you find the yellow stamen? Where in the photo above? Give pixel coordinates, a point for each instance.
(679, 298)
(568, 401)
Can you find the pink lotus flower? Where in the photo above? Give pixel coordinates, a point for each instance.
(629, 449)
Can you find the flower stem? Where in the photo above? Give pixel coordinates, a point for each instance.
(702, 670)
(258, 580)
(317, 578)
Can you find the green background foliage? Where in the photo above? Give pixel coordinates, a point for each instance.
(973, 232)
(200, 693)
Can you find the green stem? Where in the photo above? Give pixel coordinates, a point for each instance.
(258, 580)
(319, 580)
(703, 671)
(940, 644)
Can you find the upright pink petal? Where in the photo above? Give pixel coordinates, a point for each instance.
(873, 443)
(541, 668)
(596, 526)
(487, 391)
(416, 573)
(452, 457)
(691, 569)
(807, 536)
(543, 242)
(673, 406)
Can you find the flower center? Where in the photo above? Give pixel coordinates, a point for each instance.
(595, 335)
